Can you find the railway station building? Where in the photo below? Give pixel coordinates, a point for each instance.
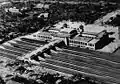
(70, 36)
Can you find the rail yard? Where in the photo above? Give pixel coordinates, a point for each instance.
(59, 42)
(68, 60)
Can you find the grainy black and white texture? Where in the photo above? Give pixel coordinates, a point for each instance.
(59, 42)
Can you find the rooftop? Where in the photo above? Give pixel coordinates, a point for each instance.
(44, 33)
(95, 34)
(93, 28)
(14, 10)
(67, 30)
(40, 5)
(90, 33)
(53, 30)
(80, 38)
(61, 35)
(94, 41)
(99, 35)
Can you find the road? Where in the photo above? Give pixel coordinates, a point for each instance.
(107, 17)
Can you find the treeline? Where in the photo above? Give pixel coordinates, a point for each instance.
(115, 1)
(90, 0)
(87, 13)
(114, 21)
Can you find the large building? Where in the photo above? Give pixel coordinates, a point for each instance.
(89, 40)
(72, 37)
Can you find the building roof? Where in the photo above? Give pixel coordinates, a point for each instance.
(93, 41)
(61, 35)
(44, 33)
(93, 28)
(46, 6)
(40, 5)
(90, 33)
(81, 38)
(95, 34)
(14, 10)
(67, 30)
(101, 34)
(54, 30)
(44, 14)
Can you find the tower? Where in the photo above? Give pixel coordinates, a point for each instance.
(80, 30)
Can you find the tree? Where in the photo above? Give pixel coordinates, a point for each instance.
(1, 81)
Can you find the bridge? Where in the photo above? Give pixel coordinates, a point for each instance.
(70, 60)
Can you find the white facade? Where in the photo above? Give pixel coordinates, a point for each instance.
(14, 10)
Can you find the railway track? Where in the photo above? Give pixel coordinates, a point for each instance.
(34, 41)
(92, 53)
(107, 70)
(10, 52)
(83, 68)
(88, 59)
(10, 56)
(19, 47)
(67, 60)
(27, 43)
(73, 71)
(96, 66)
(15, 49)
(22, 46)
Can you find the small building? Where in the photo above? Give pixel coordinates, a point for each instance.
(54, 31)
(46, 6)
(41, 5)
(14, 10)
(43, 35)
(5, 4)
(43, 14)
